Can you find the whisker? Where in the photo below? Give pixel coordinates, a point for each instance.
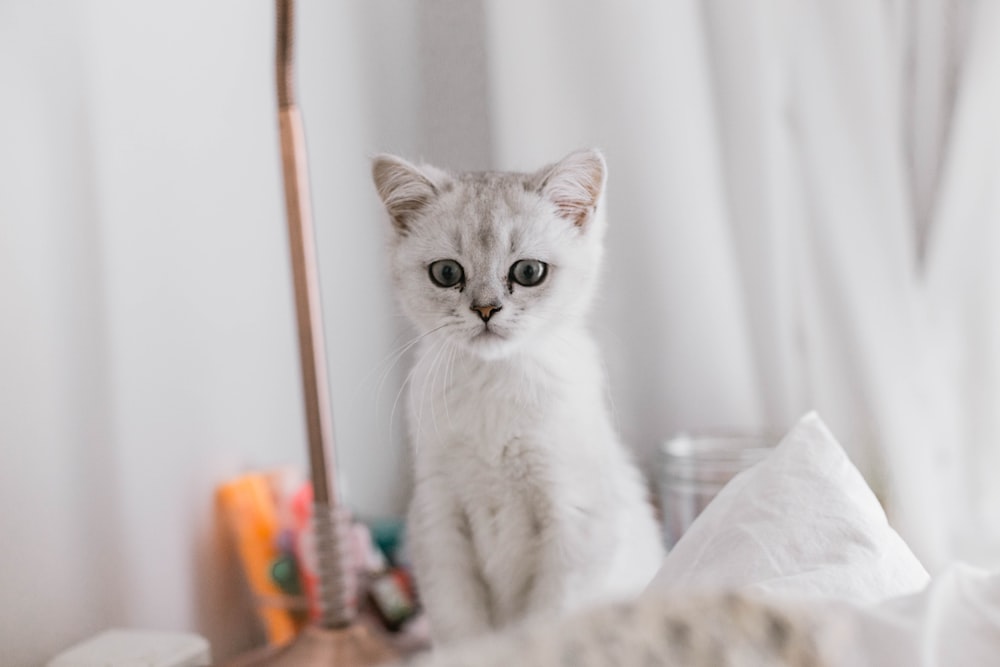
(420, 412)
(408, 380)
(449, 377)
(395, 403)
(390, 362)
(385, 365)
(433, 375)
(397, 354)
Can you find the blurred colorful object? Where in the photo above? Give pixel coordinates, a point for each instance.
(269, 514)
(250, 510)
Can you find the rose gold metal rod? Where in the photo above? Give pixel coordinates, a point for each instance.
(303, 250)
(337, 639)
(329, 519)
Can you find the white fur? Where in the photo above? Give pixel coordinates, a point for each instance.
(525, 501)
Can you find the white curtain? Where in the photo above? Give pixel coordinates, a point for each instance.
(804, 199)
(803, 205)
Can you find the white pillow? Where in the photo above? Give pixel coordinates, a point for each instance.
(802, 521)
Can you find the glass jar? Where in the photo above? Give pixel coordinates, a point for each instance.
(693, 469)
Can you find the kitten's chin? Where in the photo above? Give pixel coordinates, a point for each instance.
(490, 345)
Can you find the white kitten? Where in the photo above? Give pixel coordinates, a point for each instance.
(525, 501)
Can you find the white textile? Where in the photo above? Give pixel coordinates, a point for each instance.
(802, 521)
(803, 524)
(954, 621)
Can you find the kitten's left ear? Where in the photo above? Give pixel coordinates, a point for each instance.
(575, 185)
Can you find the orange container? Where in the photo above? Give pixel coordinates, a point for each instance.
(249, 507)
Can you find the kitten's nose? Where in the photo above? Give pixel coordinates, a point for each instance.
(486, 312)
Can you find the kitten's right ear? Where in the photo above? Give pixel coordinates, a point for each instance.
(575, 185)
(405, 189)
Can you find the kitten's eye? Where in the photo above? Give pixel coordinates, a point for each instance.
(446, 273)
(528, 272)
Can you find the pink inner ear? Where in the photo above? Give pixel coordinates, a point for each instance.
(574, 186)
(572, 210)
(405, 189)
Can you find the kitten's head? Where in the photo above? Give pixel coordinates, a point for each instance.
(494, 260)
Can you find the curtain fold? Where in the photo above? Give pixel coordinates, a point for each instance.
(802, 210)
(962, 284)
(633, 79)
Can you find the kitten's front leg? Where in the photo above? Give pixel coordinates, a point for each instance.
(448, 575)
(570, 556)
(550, 592)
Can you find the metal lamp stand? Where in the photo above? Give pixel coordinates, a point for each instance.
(338, 639)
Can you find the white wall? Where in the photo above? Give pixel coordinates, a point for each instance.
(147, 342)
(56, 479)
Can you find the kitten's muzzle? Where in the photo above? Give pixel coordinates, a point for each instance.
(486, 312)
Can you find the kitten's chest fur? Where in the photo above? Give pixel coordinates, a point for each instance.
(510, 423)
(522, 445)
(510, 434)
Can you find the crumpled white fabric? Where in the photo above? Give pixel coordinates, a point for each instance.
(803, 526)
(953, 621)
(802, 521)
